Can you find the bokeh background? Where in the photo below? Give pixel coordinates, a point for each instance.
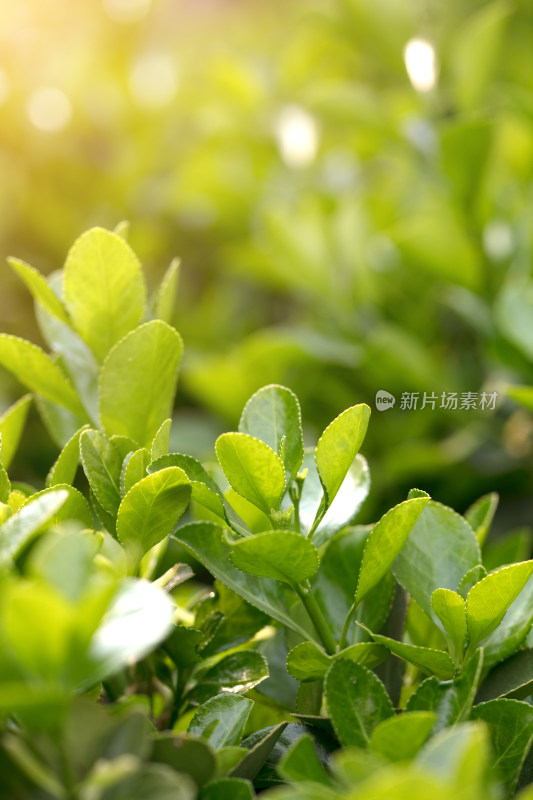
(349, 187)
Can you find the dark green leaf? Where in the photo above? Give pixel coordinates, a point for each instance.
(357, 702)
(252, 762)
(185, 754)
(221, 720)
(206, 541)
(441, 548)
(511, 731)
(451, 700)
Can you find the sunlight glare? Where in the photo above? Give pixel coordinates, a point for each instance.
(154, 80)
(297, 136)
(421, 64)
(49, 109)
(127, 11)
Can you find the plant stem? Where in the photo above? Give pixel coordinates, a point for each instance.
(317, 618)
(346, 627)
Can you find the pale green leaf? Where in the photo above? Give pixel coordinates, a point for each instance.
(151, 509)
(488, 600)
(64, 469)
(20, 528)
(252, 468)
(402, 736)
(280, 555)
(138, 619)
(273, 415)
(165, 299)
(338, 446)
(138, 381)
(481, 514)
(35, 369)
(103, 289)
(101, 463)
(428, 661)
(161, 440)
(133, 469)
(12, 424)
(449, 607)
(40, 290)
(385, 542)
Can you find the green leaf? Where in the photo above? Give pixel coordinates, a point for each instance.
(428, 661)
(481, 514)
(185, 754)
(385, 542)
(151, 780)
(308, 662)
(513, 630)
(459, 758)
(476, 52)
(35, 369)
(236, 673)
(66, 464)
(301, 763)
(357, 702)
(441, 548)
(12, 424)
(103, 289)
(488, 600)
(280, 555)
(138, 381)
(338, 446)
(345, 506)
(165, 299)
(336, 582)
(470, 579)
(40, 289)
(227, 789)
(511, 732)
(221, 720)
(452, 700)
(161, 440)
(137, 621)
(134, 469)
(249, 766)
(20, 528)
(151, 509)
(75, 506)
(102, 464)
(206, 542)
(513, 678)
(252, 468)
(401, 737)
(273, 415)
(449, 607)
(522, 395)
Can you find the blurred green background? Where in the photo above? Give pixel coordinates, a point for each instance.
(348, 184)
